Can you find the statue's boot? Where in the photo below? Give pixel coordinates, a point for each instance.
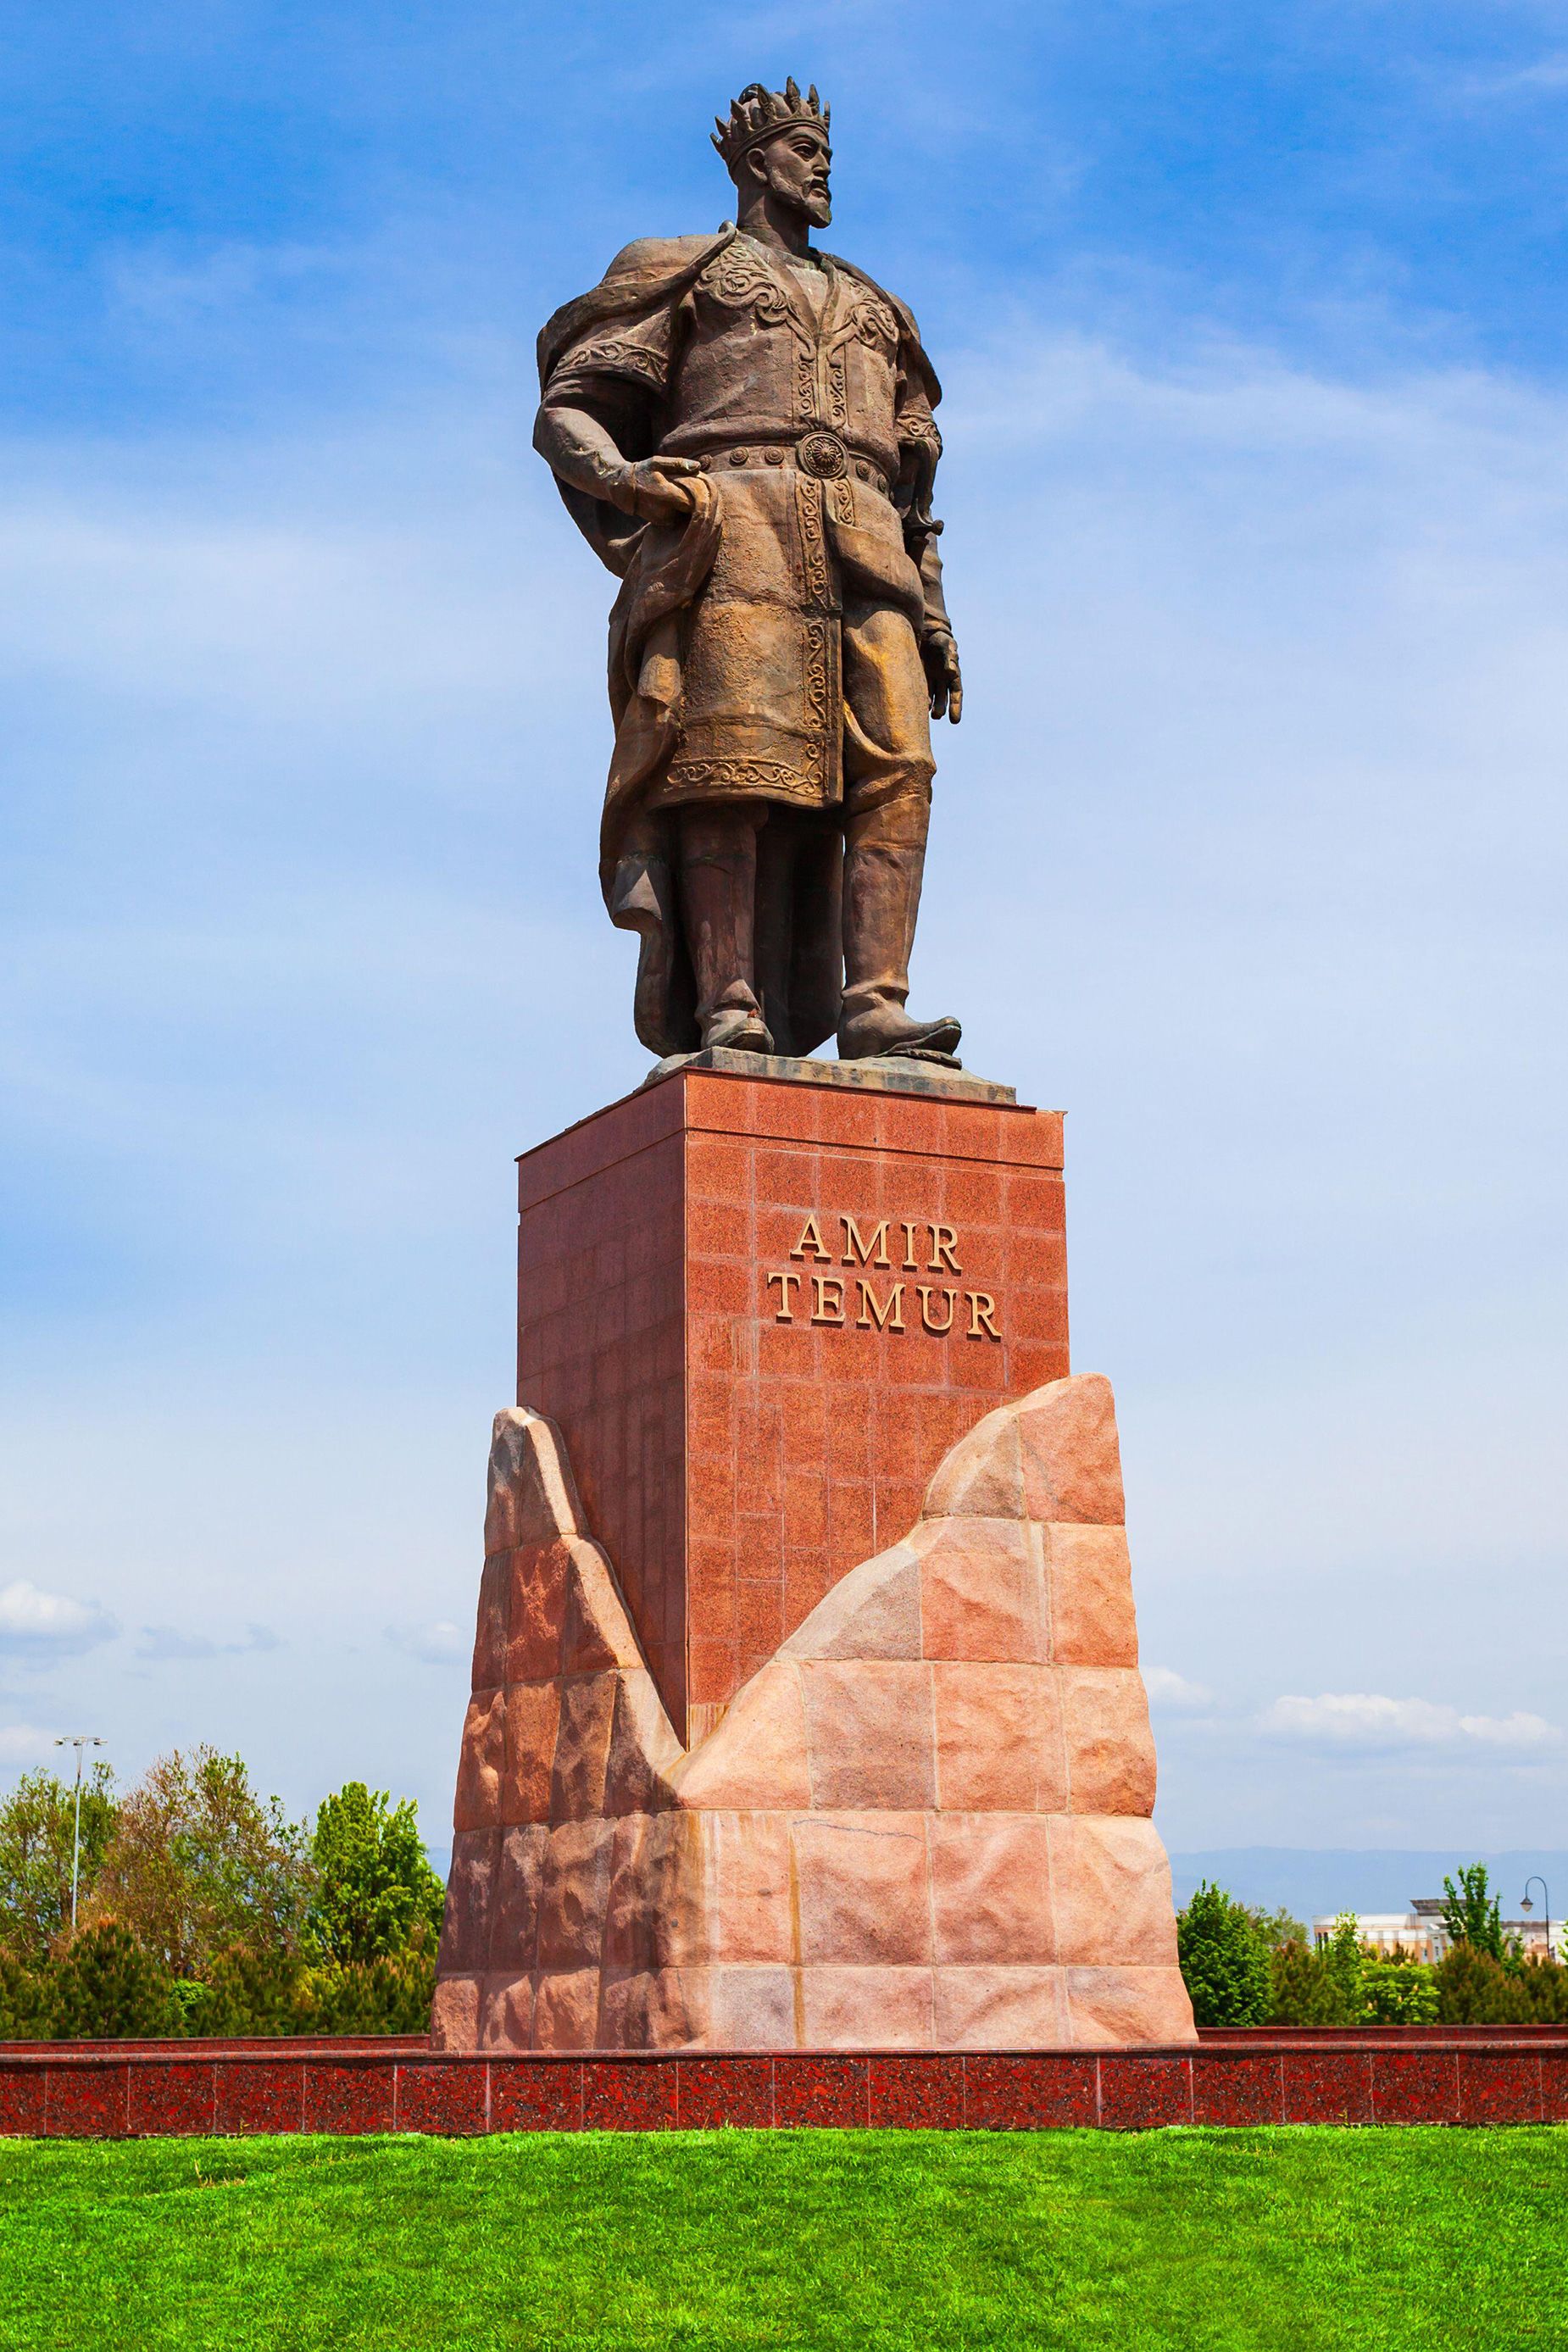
(718, 889)
(881, 900)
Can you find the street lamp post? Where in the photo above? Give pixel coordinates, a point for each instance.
(80, 1741)
(1526, 1905)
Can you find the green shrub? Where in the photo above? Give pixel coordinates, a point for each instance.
(250, 1991)
(25, 2000)
(391, 1994)
(105, 1987)
(1474, 1989)
(1545, 1987)
(1317, 1987)
(1397, 1990)
(1224, 1962)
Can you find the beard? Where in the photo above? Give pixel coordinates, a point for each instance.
(819, 207)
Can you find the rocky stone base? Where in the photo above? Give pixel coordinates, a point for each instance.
(923, 1824)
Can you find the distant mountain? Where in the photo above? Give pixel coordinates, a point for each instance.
(1308, 1881)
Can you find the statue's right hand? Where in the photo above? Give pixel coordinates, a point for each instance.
(655, 488)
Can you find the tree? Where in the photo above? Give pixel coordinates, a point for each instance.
(198, 1863)
(1474, 1988)
(25, 1997)
(1274, 1928)
(375, 1891)
(1396, 1989)
(1470, 1917)
(1324, 1987)
(38, 1829)
(1223, 1961)
(107, 1989)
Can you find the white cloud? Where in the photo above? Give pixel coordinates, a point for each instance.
(1367, 1720)
(25, 1743)
(1167, 1688)
(440, 1645)
(38, 1625)
(165, 1641)
(1544, 78)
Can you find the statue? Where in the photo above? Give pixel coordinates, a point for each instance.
(741, 426)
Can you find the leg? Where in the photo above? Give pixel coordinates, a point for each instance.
(718, 897)
(779, 846)
(887, 771)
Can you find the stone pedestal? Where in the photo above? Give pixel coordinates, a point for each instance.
(806, 1714)
(760, 1310)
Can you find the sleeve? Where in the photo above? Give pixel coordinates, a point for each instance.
(637, 349)
(920, 448)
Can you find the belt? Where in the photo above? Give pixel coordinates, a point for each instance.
(820, 455)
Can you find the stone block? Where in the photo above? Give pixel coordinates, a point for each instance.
(533, 1715)
(1110, 2006)
(863, 1891)
(744, 1860)
(470, 1893)
(983, 1475)
(566, 2009)
(870, 1733)
(483, 1758)
(644, 1750)
(1070, 1458)
(866, 2008)
(1088, 1583)
(1000, 2008)
(1111, 1888)
(751, 2007)
(998, 1738)
(757, 1755)
(454, 2015)
(982, 1590)
(583, 1746)
(1109, 1747)
(490, 1628)
(597, 1635)
(991, 1889)
(872, 1613)
(536, 1610)
(574, 1891)
(531, 1494)
(506, 2012)
(519, 1889)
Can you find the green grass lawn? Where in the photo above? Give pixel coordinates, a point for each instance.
(1172, 2239)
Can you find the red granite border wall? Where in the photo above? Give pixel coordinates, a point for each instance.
(1471, 2075)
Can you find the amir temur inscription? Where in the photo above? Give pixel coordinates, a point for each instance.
(838, 1300)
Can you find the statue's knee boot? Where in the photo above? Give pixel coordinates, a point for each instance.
(881, 901)
(717, 893)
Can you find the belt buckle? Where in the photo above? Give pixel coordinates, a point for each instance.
(823, 457)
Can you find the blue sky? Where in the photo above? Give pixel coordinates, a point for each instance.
(1250, 852)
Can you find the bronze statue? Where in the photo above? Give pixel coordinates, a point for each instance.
(742, 428)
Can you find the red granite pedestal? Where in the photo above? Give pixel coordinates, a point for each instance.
(807, 1712)
(759, 1311)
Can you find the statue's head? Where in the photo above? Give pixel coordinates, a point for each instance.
(775, 141)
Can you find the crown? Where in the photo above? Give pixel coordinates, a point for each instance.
(758, 114)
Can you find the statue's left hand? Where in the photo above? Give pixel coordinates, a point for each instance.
(944, 676)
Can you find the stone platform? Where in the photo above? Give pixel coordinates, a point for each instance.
(1433, 2075)
(806, 1710)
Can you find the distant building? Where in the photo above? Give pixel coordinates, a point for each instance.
(1419, 1930)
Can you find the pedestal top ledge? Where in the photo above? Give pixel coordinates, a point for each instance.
(884, 1074)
